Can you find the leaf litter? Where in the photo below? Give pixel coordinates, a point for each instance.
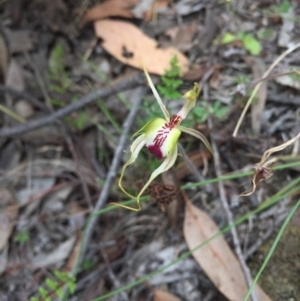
(53, 209)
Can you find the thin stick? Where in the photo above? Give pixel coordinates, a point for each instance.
(274, 64)
(108, 183)
(236, 241)
(86, 100)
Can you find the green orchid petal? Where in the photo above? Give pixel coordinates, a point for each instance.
(197, 135)
(190, 101)
(156, 95)
(135, 149)
(166, 165)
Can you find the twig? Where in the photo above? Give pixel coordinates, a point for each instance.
(229, 216)
(88, 99)
(26, 96)
(108, 183)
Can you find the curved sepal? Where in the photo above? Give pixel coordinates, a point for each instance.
(135, 149)
(198, 135)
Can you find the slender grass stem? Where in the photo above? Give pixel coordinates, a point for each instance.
(271, 251)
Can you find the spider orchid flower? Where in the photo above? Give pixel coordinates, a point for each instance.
(160, 136)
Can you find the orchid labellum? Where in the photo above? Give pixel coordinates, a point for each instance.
(160, 136)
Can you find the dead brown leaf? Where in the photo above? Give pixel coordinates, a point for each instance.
(110, 8)
(8, 215)
(131, 46)
(164, 296)
(258, 70)
(216, 258)
(181, 36)
(169, 178)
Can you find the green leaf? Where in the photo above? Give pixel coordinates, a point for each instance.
(62, 276)
(228, 38)
(72, 287)
(34, 299)
(284, 7)
(59, 292)
(22, 236)
(251, 44)
(81, 121)
(43, 292)
(52, 284)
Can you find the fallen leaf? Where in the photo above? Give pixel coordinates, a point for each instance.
(216, 257)
(131, 46)
(169, 178)
(8, 215)
(196, 73)
(15, 77)
(60, 253)
(164, 296)
(110, 8)
(258, 69)
(181, 36)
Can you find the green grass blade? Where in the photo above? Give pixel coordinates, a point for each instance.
(271, 251)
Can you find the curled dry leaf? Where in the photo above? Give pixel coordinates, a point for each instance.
(164, 296)
(8, 215)
(131, 46)
(216, 258)
(110, 8)
(264, 169)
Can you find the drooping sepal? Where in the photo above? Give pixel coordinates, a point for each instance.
(198, 135)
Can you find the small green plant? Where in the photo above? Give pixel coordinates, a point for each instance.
(250, 43)
(22, 236)
(55, 286)
(60, 80)
(204, 110)
(242, 79)
(170, 81)
(266, 33)
(280, 9)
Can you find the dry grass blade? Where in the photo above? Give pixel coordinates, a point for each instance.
(216, 258)
(273, 65)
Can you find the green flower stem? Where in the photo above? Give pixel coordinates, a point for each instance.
(271, 251)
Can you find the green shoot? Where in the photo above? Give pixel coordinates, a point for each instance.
(250, 43)
(171, 82)
(60, 80)
(55, 287)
